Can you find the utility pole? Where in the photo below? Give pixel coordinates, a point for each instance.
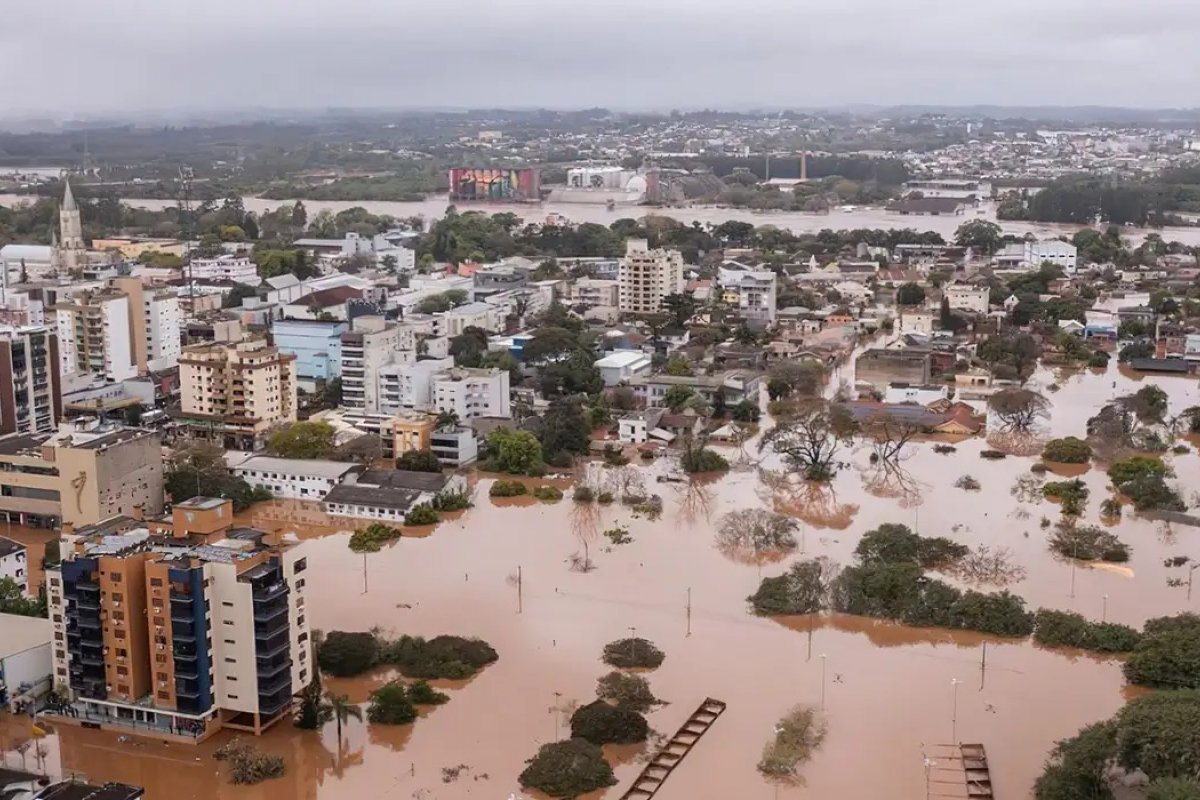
(364, 591)
(823, 664)
(520, 591)
(1104, 612)
(689, 611)
(983, 666)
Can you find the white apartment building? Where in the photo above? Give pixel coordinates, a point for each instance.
(367, 348)
(223, 268)
(593, 292)
(410, 385)
(753, 290)
(963, 297)
(14, 563)
(487, 316)
(163, 321)
(95, 335)
(233, 393)
(471, 393)
(294, 478)
(647, 276)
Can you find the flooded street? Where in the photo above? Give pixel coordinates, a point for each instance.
(434, 206)
(888, 690)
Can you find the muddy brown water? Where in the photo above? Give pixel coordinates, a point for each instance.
(888, 690)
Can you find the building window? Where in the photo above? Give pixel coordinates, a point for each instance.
(156, 582)
(227, 604)
(231, 661)
(300, 565)
(226, 622)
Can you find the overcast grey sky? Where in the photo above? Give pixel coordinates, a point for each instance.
(72, 56)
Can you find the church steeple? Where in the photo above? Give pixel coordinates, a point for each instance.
(74, 251)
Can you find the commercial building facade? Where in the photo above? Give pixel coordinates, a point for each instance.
(30, 380)
(316, 346)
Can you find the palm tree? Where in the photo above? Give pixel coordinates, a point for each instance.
(447, 419)
(342, 710)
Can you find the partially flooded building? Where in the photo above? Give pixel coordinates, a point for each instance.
(178, 627)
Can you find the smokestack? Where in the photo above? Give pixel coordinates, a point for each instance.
(803, 165)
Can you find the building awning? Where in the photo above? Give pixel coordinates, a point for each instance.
(663, 434)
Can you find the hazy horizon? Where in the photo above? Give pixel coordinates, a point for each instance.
(126, 56)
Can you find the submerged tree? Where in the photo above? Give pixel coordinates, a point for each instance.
(755, 535)
(1019, 410)
(810, 440)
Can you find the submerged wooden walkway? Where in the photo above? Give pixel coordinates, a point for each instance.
(959, 771)
(679, 745)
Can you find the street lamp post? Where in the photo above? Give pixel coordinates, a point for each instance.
(954, 712)
(1104, 611)
(823, 664)
(1191, 570)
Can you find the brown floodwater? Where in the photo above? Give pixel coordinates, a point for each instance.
(888, 690)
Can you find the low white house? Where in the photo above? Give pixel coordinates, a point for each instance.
(26, 663)
(294, 478)
(14, 563)
(915, 322)
(633, 429)
(963, 297)
(620, 365)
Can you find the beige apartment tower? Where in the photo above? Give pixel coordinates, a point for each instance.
(647, 276)
(232, 394)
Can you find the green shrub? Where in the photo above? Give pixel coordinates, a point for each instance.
(797, 735)
(992, 455)
(1000, 613)
(1067, 629)
(1151, 493)
(451, 500)
(600, 723)
(702, 459)
(508, 489)
(803, 589)
(892, 543)
(632, 654)
(248, 765)
(567, 769)
(440, 657)
(1072, 495)
(1128, 469)
(422, 694)
(605, 498)
(550, 494)
(346, 654)
(1098, 359)
(1174, 789)
(418, 461)
(618, 535)
(1111, 508)
(372, 538)
(583, 494)
(626, 691)
(391, 705)
(1168, 656)
(1070, 450)
(1088, 543)
(421, 514)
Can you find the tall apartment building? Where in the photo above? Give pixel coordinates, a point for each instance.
(179, 628)
(30, 388)
(753, 291)
(471, 393)
(155, 321)
(85, 472)
(647, 276)
(367, 348)
(95, 335)
(233, 393)
(409, 386)
(120, 331)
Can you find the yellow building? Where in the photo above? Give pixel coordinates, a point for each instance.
(233, 393)
(131, 248)
(411, 431)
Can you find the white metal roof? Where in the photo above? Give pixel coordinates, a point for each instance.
(296, 466)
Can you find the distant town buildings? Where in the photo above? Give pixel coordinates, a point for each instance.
(237, 269)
